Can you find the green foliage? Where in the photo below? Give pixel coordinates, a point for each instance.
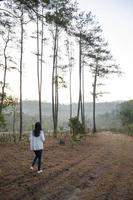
(129, 129)
(8, 101)
(126, 112)
(32, 3)
(2, 122)
(126, 115)
(62, 13)
(76, 126)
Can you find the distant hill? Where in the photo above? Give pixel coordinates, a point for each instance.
(106, 115)
(31, 108)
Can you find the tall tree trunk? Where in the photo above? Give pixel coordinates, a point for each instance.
(83, 106)
(94, 100)
(5, 72)
(55, 84)
(70, 77)
(69, 52)
(56, 89)
(41, 65)
(70, 90)
(39, 68)
(37, 37)
(14, 119)
(21, 66)
(53, 92)
(80, 95)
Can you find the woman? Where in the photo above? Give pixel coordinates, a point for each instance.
(36, 144)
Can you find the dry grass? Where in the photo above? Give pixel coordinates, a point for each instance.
(98, 168)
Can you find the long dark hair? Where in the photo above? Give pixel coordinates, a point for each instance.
(38, 128)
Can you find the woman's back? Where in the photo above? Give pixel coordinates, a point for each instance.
(36, 143)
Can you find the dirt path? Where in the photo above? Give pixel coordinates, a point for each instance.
(99, 168)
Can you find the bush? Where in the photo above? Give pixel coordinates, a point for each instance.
(2, 122)
(126, 113)
(126, 116)
(129, 129)
(76, 127)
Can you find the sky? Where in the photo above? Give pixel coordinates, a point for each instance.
(115, 18)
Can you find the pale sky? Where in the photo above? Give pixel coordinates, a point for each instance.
(115, 18)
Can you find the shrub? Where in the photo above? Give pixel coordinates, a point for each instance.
(129, 129)
(76, 127)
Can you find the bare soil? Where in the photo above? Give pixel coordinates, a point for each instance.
(99, 167)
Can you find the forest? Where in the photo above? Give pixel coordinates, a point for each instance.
(69, 30)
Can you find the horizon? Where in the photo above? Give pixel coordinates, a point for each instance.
(77, 102)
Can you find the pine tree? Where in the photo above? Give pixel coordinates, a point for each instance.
(81, 29)
(60, 17)
(102, 66)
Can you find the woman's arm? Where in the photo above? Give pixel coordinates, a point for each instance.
(43, 137)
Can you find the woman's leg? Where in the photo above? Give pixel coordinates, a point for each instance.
(39, 159)
(35, 159)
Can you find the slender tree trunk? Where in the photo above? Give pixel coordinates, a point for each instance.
(5, 72)
(38, 70)
(94, 100)
(94, 104)
(69, 52)
(70, 90)
(53, 92)
(21, 66)
(14, 117)
(83, 106)
(56, 88)
(41, 65)
(80, 95)
(55, 84)
(70, 77)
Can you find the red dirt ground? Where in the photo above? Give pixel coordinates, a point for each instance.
(98, 168)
